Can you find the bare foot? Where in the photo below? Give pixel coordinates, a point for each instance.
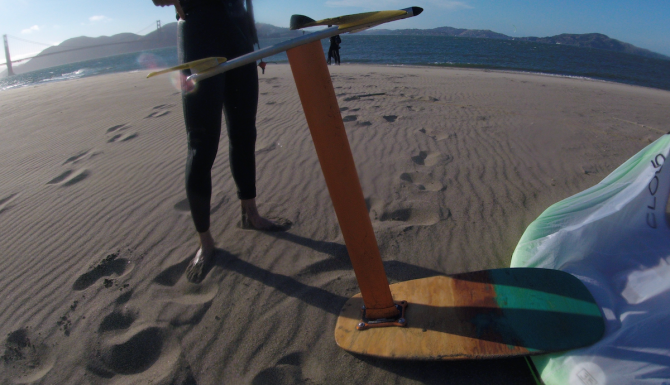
(197, 268)
(252, 220)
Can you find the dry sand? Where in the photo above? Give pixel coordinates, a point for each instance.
(95, 232)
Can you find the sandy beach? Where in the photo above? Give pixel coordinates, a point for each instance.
(96, 233)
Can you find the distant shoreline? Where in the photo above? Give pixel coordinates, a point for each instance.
(167, 36)
(412, 66)
(428, 51)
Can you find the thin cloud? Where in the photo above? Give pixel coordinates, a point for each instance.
(96, 18)
(32, 29)
(451, 4)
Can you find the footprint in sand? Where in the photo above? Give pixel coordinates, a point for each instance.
(422, 181)
(423, 98)
(267, 148)
(181, 291)
(185, 303)
(84, 155)
(70, 177)
(426, 158)
(136, 351)
(375, 207)
(172, 275)
(411, 216)
(125, 297)
(110, 266)
(156, 114)
(415, 109)
(288, 370)
(131, 352)
(122, 137)
(118, 127)
(350, 118)
(163, 106)
(25, 359)
(390, 118)
(118, 320)
(6, 201)
(364, 96)
(439, 135)
(161, 110)
(408, 214)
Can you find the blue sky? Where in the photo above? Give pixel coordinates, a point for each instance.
(644, 23)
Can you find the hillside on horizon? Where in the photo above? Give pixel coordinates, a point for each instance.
(584, 40)
(87, 48)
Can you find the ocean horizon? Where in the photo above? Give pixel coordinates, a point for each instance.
(440, 51)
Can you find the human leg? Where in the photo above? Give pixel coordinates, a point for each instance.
(330, 54)
(240, 107)
(202, 117)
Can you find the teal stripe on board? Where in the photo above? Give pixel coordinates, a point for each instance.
(529, 299)
(543, 310)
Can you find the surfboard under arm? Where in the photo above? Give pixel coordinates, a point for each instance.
(349, 24)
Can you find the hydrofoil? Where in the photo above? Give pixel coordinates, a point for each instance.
(486, 314)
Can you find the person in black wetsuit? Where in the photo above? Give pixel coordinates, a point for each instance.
(334, 49)
(209, 28)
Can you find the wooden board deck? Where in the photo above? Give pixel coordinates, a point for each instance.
(484, 314)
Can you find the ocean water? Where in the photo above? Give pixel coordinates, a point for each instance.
(411, 50)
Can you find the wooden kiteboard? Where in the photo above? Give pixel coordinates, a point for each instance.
(484, 314)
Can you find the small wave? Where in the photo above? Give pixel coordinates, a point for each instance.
(13, 86)
(80, 73)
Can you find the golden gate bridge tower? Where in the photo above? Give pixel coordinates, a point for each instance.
(10, 71)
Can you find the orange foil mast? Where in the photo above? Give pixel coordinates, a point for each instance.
(337, 163)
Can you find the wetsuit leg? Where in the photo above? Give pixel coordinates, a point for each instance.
(330, 53)
(240, 105)
(202, 115)
(204, 34)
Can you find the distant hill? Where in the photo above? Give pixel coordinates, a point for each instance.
(87, 48)
(77, 49)
(596, 40)
(440, 31)
(268, 31)
(586, 40)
